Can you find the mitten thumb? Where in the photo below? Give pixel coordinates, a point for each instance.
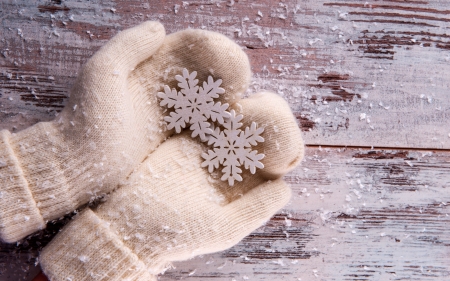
(127, 49)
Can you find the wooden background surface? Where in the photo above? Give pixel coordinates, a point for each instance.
(369, 84)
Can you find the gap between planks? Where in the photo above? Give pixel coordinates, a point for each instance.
(376, 147)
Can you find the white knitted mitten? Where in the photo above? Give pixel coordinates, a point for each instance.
(172, 209)
(111, 123)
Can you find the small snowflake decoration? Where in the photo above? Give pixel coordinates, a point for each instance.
(194, 105)
(232, 149)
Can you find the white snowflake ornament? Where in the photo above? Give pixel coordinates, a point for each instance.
(232, 149)
(193, 104)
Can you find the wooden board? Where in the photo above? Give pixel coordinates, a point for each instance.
(356, 73)
(355, 215)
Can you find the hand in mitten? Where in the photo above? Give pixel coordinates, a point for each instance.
(172, 209)
(111, 123)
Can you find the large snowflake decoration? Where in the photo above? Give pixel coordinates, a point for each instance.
(232, 149)
(194, 104)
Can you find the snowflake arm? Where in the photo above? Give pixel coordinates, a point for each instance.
(251, 160)
(212, 159)
(187, 82)
(176, 120)
(233, 123)
(211, 88)
(251, 135)
(169, 98)
(231, 171)
(201, 129)
(215, 137)
(206, 95)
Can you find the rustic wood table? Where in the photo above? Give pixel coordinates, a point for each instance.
(368, 82)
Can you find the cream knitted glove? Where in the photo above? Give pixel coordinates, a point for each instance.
(171, 209)
(111, 123)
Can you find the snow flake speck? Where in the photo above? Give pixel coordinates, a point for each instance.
(83, 258)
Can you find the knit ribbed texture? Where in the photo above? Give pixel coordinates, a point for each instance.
(96, 254)
(18, 208)
(111, 123)
(172, 209)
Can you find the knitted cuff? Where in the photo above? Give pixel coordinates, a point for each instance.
(45, 158)
(19, 215)
(87, 249)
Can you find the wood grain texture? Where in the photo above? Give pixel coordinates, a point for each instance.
(356, 214)
(356, 73)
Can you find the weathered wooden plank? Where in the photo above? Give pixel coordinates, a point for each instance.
(364, 74)
(352, 93)
(43, 44)
(356, 214)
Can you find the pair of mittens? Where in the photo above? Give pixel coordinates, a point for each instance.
(172, 209)
(111, 123)
(167, 206)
